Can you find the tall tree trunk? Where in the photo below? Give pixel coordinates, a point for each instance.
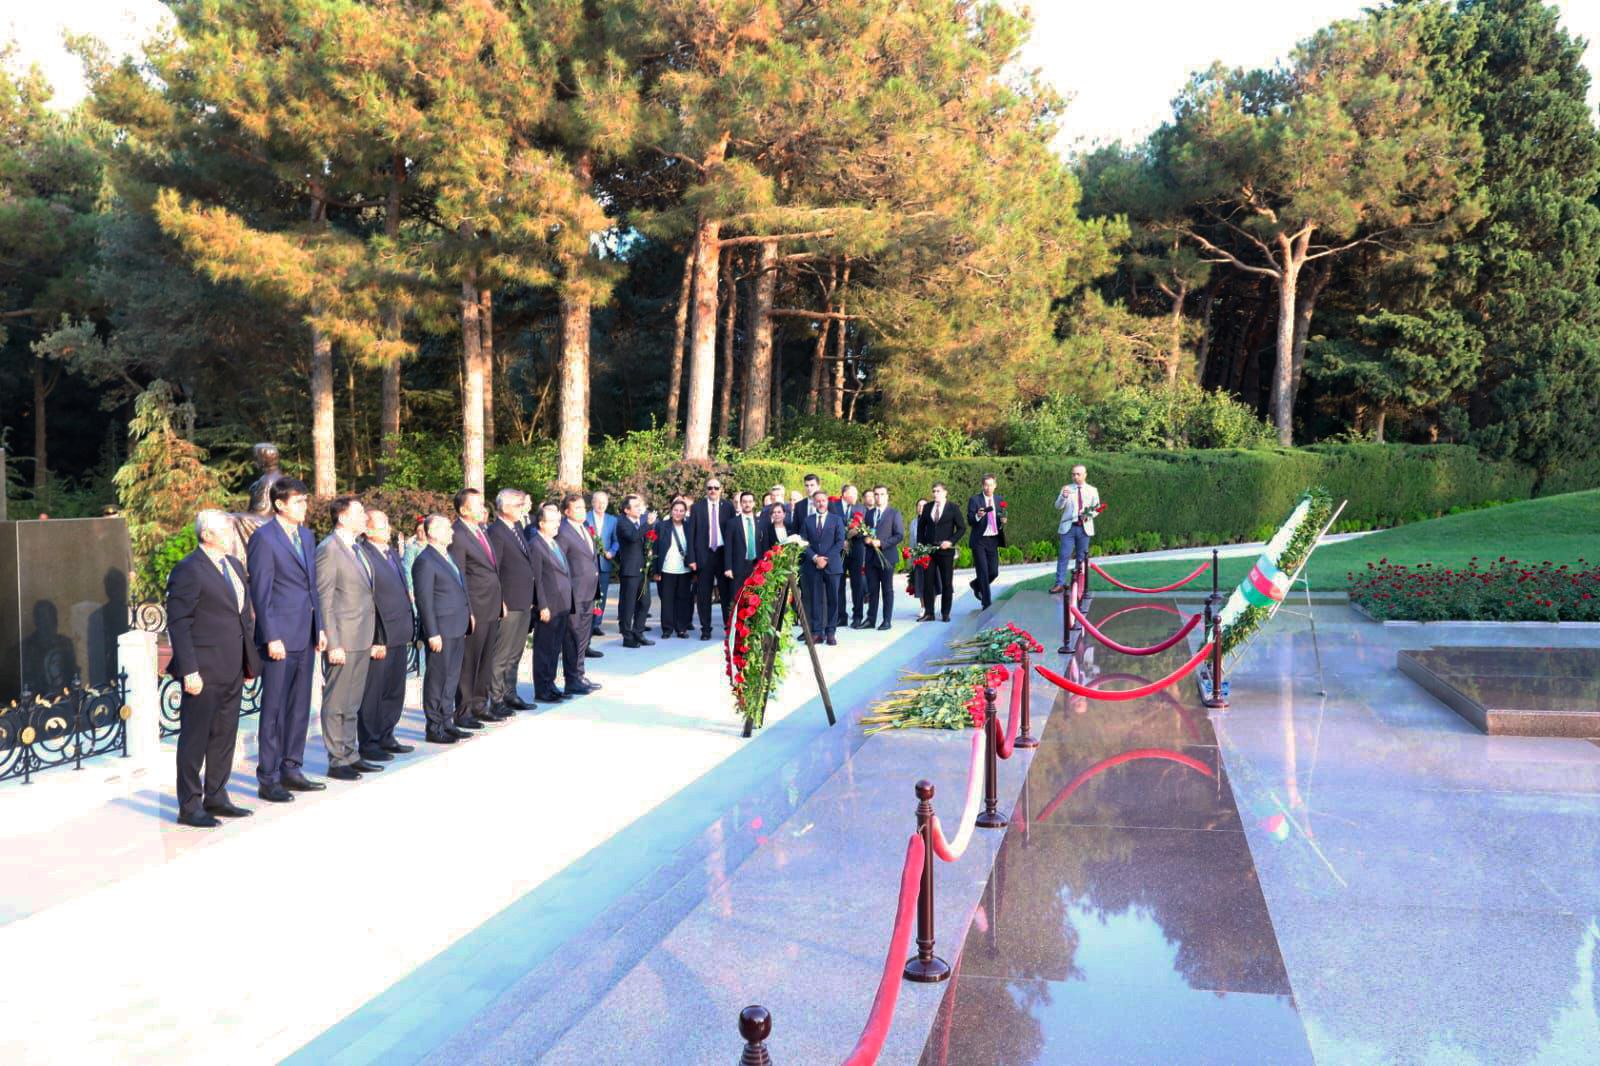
(389, 413)
(573, 434)
(324, 477)
(1283, 366)
(1202, 350)
(1310, 289)
(839, 350)
(759, 372)
(680, 331)
(1377, 425)
(730, 311)
(471, 383)
(703, 342)
(486, 356)
(1175, 342)
(41, 460)
(819, 360)
(353, 435)
(776, 425)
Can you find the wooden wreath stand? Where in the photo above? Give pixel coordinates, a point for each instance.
(769, 654)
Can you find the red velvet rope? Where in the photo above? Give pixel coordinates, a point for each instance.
(1003, 748)
(1164, 588)
(881, 1016)
(1088, 626)
(1131, 693)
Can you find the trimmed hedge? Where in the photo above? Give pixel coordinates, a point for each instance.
(1160, 500)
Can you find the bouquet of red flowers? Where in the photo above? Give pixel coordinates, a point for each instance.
(919, 555)
(858, 528)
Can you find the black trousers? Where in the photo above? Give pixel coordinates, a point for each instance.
(601, 598)
(580, 630)
(633, 605)
(986, 561)
(938, 581)
(384, 699)
(477, 666)
(548, 639)
(707, 578)
(441, 682)
(677, 602)
(208, 726)
(821, 591)
(880, 588)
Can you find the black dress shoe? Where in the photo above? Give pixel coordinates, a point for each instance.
(885, 625)
(683, 634)
(597, 631)
(275, 794)
(344, 773)
(375, 755)
(365, 767)
(394, 747)
(590, 653)
(666, 634)
(468, 722)
(550, 696)
(433, 737)
(629, 642)
(832, 641)
(198, 820)
(646, 642)
(226, 809)
(944, 618)
(518, 703)
(924, 617)
(456, 734)
(302, 783)
(578, 688)
(493, 714)
(705, 634)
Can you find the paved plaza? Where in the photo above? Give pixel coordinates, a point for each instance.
(1358, 876)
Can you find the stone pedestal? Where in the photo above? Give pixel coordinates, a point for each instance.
(136, 654)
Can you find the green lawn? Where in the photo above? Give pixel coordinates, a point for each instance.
(1558, 528)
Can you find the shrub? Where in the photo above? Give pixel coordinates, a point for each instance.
(819, 439)
(154, 568)
(1182, 415)
(1057, 425)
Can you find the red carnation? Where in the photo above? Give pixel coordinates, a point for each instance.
(650, 535)
(1002, 505)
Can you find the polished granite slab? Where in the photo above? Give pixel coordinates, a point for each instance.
(1528, 692)
(1124, 921)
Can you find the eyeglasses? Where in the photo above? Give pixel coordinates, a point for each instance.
(713, 488)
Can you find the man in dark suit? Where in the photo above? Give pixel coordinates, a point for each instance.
(444, 620)
(633, 592)
(707, 559)
(470, 551)
(821, 564)
(584, 561)
(888, 531)
(514, 564)
(986, 518)
(282, 562)
(384, 700)
(941, 526)
(211, 629)
(344, 595)
(855, 559)
(741, 547)
(556, 604)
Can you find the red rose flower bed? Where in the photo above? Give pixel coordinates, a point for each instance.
(1506, 590)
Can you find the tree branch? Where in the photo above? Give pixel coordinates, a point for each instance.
(729, 242)
(795, 312)
(1228, 257)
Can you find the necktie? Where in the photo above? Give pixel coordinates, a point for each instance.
(454, 569)
(819, 523)
(936, 509)
(988, 503)
(294, 542)
(227, 575)
(749, 539)
(485, 542)
(1080, 503)
(561, 558)
(394, 561)
(361, 557)
(716, 534)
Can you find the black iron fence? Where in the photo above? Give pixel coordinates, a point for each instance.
(40, 732)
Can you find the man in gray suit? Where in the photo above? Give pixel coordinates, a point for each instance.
(344, 596)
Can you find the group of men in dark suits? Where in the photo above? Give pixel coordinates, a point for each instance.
(293, 600)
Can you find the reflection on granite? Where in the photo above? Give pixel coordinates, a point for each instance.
(1530, 692)
(1123, 921)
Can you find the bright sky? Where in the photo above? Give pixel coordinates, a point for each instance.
(1121, 63)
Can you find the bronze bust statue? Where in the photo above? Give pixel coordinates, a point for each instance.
(266, 457)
